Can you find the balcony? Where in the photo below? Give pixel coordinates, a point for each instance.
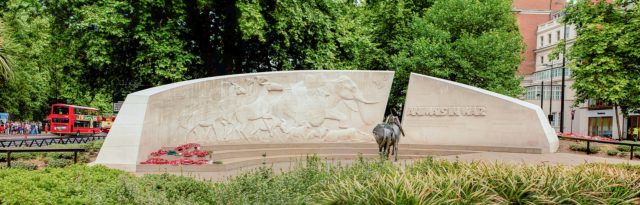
(548, 25)
(598, 105)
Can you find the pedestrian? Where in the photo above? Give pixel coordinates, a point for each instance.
(46, 128)
(1, 127)
(34, 128)
(20, 128)
(26, 128)
(635, 133)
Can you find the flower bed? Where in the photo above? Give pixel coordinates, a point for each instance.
(574, 135)
(186, 151)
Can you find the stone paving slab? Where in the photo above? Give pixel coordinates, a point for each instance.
(566, 159)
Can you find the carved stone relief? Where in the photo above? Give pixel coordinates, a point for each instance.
(257, 109)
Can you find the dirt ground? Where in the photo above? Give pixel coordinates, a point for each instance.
(564, 148)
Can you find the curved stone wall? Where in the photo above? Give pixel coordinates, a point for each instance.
(274, 107)
(442, 112)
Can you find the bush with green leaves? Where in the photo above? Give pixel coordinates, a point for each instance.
(57, 163)
(21, 156)
(582, 147)
(612, 152)
(22, 165)
(93, 146)
(627, 148)
(425, 181)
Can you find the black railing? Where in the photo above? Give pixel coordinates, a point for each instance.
(602, 141)
(11, 150)
(39, 142)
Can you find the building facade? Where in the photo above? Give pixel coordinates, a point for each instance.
(544, 88)
(529, 14)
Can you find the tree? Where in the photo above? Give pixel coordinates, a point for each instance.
(5, 63)
(606, 54)
(471, 42)
(26, 35)
(92, 53)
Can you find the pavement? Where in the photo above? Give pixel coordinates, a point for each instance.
(38, 136)
(10, 137)
(566, 159)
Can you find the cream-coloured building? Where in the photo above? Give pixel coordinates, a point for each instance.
(544, 89)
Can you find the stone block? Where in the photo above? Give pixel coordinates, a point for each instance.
(442, 112)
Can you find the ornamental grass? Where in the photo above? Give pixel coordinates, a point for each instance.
(314, 181)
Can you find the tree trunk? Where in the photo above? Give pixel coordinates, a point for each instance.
(615, 106)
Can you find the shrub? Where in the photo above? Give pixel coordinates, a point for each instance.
(582, 147)
(93, 146)
(21, 156)
(20, 165)
(612, 152)
(627, 148)
(60, 155)
(57, 163)
(426, 181)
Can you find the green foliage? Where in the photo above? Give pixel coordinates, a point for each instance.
(626, 148)
(605, 55)
(93, 146)
(5, 62)
(425, 181)
(92, 53)
(21, 156)
(25, 37)
(582, 147)
(21, 165)
(57, 163)
(455, 40)
(612, 152)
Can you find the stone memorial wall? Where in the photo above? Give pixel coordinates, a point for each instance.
(441, 112)
(275, 107)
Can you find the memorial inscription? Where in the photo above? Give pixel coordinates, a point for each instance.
(477, 111)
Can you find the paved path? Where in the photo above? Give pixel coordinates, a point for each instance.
(39, 136)
(9, 137)
(566, 159)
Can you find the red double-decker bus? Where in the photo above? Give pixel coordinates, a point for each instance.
(72, 119)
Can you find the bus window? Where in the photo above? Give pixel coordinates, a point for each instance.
(60, 120)
(82, 124)
(61, 110)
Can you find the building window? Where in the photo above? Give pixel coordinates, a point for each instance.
(541, 59)
(600, 126)
(557, 91)
(549, 38)
(558, 33)
(533, 93)
(541, 41)
(598, 105)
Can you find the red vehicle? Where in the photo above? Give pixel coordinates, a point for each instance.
(71, 119)
(107, 121)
